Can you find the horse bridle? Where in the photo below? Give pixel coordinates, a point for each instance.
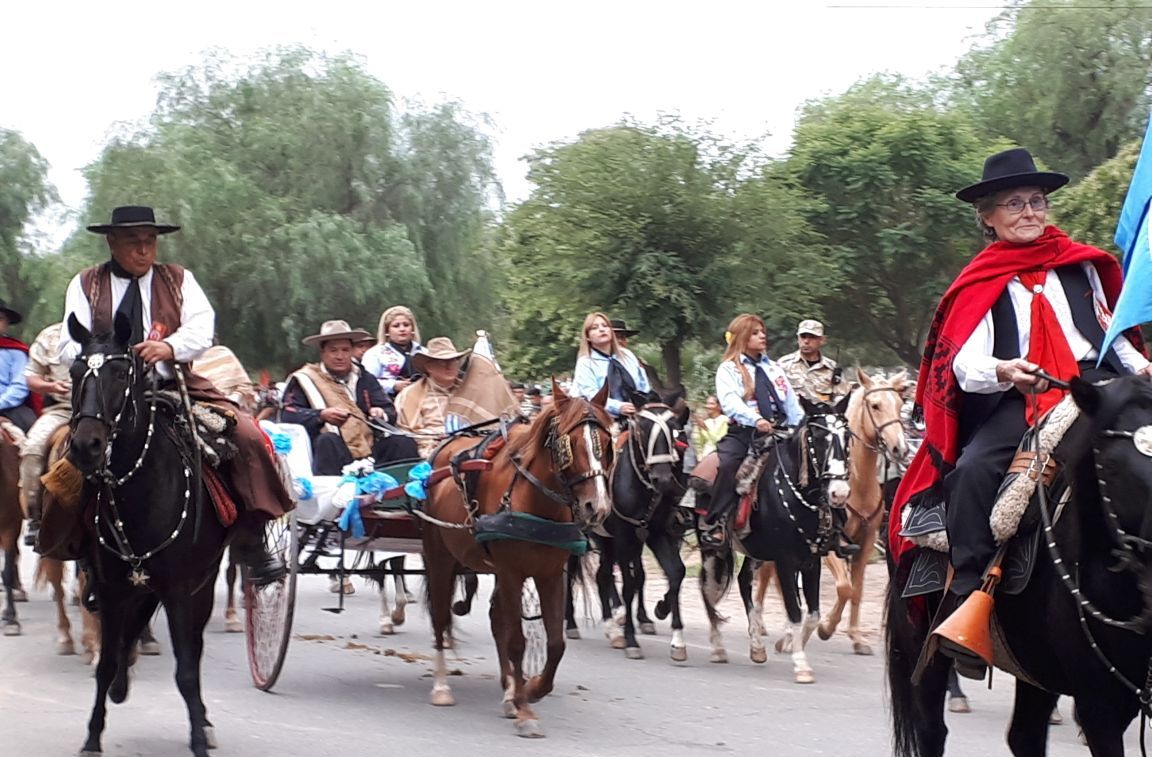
(878, 428)
(837, 429)
(643, 459)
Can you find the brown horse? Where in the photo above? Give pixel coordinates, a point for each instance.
(875, 423)
(11, 521)
(555, 470)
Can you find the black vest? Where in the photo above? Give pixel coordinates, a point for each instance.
(976, 408)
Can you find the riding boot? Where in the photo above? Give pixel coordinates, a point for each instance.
(249, 550)
(88, 599)
(33, 511)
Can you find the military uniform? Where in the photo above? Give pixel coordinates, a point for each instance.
(813, 382)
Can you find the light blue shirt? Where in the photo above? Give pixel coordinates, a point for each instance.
(592, 371)
(13, 385)
(730, 392)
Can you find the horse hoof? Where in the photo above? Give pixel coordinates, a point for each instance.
(12, 629)
(719, 656)
(398, 616)
(617, 642)
(90, 753)
(19, 595)
(648, 629)
(634, 653)
(823, 633)
(150, 648)
(386, 628)
(65, 648)
(805, 676)
(679, 654)
(508, 708)
(529, 729)
(409, 597)
(661, 610)
(759, 655)
(233, 625)
(783, 646)
(210, 737)
(862, 649)
(459, 609)
(572, 633)
(1054, 719)
(959, 704)
(443, 697)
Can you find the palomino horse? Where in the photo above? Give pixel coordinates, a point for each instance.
(1081, 625)
(11, 521)
(876, 429)
(159, 540)
(791, 525)
(647, 484)
(548, 477)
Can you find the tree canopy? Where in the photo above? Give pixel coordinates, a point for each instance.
(24, 191)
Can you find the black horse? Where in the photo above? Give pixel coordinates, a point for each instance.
(1080, 627)
(792, 525)
(158, 539)
(647, 484)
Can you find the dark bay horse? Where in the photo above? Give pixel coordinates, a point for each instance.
(158, 539)
(549, 476)
(791, 525)
(1081, 626)
(647, 484)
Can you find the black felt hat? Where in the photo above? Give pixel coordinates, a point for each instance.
(13, 316)
(620, 326)
(1008, 170)
(132, 217)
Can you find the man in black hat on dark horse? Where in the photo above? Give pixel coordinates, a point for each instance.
(16, 403)
(172, 325)
(1032, 299)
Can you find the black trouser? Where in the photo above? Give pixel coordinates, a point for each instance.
(971, 487)
(330, 453)
(731, 449)
(22, 415)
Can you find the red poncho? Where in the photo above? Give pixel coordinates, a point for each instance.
(961, 309)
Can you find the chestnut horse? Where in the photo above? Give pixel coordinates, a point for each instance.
(555, 470)
(875, 424)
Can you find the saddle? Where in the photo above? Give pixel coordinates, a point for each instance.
(703, 479)
(1015, 516)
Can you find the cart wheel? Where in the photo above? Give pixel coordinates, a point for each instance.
(270, 608)
(535, 637)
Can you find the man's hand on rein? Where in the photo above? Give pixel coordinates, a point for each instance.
(1022, 375)
(376, 412)
(153, 351)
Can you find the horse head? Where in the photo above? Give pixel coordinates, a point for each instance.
(1113, 482)
(582, 452)
(654, 445)
(874, 415)
(105, 389)
(824, 439)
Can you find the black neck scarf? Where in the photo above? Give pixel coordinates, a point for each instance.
(406, 351)
(621, 385)
(771, 408)
(132, 306)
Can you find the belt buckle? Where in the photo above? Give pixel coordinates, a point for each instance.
(1034, 472)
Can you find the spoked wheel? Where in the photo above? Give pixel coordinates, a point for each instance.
(270, 608)
(535, 637)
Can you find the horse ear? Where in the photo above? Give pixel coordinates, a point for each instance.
(558, 395)
(121, 329)
(864, 379)
(672, 398)
(1086, 396)
(600, 399)
(841, 405)
(808, 405)
(76, 330)
(899, 380)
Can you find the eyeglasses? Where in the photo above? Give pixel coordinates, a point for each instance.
(1016, 206)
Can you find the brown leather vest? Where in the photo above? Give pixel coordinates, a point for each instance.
(167, 296)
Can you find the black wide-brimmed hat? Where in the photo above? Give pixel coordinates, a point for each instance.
(132, 217)
(620, 326)
(1008, 170)
(13, 316)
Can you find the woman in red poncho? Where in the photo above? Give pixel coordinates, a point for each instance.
(1031, 299)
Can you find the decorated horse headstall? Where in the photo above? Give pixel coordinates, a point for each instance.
(644, 451)
(559, 444)
(833, 465)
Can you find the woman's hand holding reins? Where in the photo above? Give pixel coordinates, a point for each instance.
(1021, 374)
(627, 409)
(765, 426)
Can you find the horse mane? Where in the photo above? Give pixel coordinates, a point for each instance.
(535, 442)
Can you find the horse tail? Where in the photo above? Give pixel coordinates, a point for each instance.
(717, 568)
(900, 635)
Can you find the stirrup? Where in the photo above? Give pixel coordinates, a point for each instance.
(714, 534)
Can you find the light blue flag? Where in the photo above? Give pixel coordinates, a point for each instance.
(1135, 304)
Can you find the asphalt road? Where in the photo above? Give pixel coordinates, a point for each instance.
(346, 691)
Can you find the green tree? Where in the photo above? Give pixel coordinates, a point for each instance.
(305, 195)
(1090, 208)
(24, 191)
(884, 158)
(666, 225)
(1069, 79)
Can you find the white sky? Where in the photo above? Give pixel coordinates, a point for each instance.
(543, 70)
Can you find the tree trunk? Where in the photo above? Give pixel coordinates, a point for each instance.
(670, 355)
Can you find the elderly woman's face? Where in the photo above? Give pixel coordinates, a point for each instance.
(1019, 215)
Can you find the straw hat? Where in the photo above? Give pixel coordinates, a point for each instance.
(335, 330)
(438, 348)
